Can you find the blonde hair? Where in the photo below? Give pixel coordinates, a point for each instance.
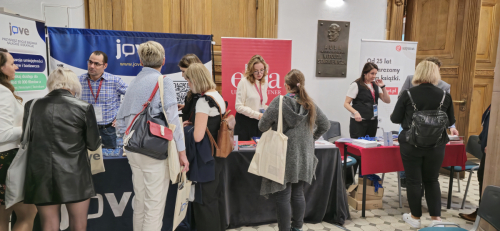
(200, 78)
(426, 72)
(64, 78)
(151, 54)
(256, 59)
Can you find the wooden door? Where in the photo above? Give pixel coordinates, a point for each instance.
(448, 29)
(487, 43)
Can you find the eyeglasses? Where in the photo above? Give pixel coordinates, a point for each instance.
(95, 63)
(257, 72)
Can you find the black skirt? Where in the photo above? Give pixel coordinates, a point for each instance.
(246, 127)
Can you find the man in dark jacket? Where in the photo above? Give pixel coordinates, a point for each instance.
(483, 137)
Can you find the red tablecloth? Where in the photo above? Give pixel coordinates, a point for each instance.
(388, 159)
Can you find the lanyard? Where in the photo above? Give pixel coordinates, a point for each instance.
(373, 94)
(259, 91)
(98, 90)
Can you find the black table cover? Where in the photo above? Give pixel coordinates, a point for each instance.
(326, 198)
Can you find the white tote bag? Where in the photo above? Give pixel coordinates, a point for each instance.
(269, 160)
(16, 173)
(173, 163)
(182, 201)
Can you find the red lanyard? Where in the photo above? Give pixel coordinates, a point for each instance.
(259, 91)
(373, 94)
(98, 90)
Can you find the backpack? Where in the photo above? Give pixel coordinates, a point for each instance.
(225, 138)
(427, 127)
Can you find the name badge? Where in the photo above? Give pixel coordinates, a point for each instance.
(375, 110)
(98, 113)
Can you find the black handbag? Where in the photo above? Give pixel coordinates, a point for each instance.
(148, 135)
(427, 127)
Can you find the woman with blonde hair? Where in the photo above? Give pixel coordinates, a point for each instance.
(251, 99)
(150, 173)
(58, 170)
(11, 117)
(209, 216)
(422, 164)
(303, 123)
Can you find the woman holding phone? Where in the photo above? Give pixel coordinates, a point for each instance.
(364, 94)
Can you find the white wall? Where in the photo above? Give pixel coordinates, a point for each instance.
(298, 20)
(57, 13)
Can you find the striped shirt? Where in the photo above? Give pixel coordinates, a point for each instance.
(108, 97)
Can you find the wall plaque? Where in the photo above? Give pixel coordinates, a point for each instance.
(333, 42)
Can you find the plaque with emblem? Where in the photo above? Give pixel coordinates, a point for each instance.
(333, 43)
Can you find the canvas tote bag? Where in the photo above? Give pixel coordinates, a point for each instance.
(182, 201)
(16, 173)
(96, 161)
(173, 163)
(269, 160)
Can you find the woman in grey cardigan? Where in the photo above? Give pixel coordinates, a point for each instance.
(303, 123)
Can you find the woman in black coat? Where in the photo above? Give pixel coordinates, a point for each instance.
(422, 164)
(58, 169)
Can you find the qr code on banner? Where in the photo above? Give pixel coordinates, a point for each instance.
(181, 88)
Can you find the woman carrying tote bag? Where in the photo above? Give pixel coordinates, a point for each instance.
(11, 118)
(300, 117)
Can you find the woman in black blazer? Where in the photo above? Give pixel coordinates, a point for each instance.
(58, 170)
(422, 164)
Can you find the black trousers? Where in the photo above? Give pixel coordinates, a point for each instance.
(211, 215)
(246, 127)
(422, 169)
(356, 130)
(290, 205)
(480, 175)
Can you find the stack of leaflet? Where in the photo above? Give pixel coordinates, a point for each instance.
(365, 143)
(247, 145)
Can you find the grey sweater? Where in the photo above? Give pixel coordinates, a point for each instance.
(300, 160)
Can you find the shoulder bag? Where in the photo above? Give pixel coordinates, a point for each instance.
(427, 127)
(173, 163)
(269, 160)
(148, 135)
(225, 138)
(16, 174)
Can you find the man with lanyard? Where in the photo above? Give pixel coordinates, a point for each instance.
(103, 91)
(483, 139)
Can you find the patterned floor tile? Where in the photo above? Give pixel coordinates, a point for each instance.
(388, 218)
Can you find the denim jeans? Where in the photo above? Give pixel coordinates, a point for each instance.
(290, 205)
(108, 136)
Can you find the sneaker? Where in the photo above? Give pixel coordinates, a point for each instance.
(415, 223)
(436, 223)
(295, 229)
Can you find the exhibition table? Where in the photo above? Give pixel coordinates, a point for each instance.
(386, 159)
(326, 198)
(111, 208)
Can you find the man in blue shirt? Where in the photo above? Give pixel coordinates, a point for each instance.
(103, 91)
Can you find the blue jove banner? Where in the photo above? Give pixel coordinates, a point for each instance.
(71, 48)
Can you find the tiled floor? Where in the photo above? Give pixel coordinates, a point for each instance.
(389, 217)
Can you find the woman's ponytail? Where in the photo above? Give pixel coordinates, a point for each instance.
(296, 81)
